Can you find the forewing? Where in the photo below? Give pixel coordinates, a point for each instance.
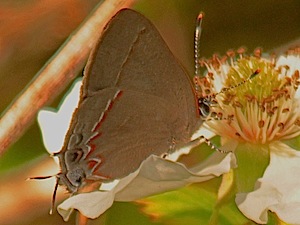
(132, 55)
(136, 100)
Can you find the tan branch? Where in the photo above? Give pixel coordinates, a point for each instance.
(56, 74)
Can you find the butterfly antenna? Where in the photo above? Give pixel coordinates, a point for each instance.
(40, 178)
(198, 32)
(241, 83)
(54, 195)
(205, 103)
(55, 188)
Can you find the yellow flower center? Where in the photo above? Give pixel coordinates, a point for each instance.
(260, 110)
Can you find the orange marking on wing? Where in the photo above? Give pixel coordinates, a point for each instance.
(101, 162)
(91, 164)
(110, 106)
(95, 137)
(100, 122)
(93, 148)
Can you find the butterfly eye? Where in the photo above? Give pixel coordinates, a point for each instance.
(76, 176)
(204, 107)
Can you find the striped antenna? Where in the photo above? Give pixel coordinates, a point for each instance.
(241, 83)
(198, 32)
(205, 103)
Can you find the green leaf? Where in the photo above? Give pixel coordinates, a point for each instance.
(124, 213)
(252, 163)
(191, 205)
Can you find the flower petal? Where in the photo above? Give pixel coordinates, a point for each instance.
(155, 175)
(278, 190)
(202, 131)
(96, 202)
(293, 62)
(54, 125)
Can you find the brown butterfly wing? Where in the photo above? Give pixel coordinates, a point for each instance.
(132, 55)
(136, 101)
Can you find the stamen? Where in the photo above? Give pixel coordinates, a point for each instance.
(261, 123)
(257, 52)
(281, 126)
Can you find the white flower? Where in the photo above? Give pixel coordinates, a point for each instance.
(262, 116)
(155, 175)
(278, 190)
(54, 125)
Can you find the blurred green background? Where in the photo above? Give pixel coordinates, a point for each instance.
(31, 32)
